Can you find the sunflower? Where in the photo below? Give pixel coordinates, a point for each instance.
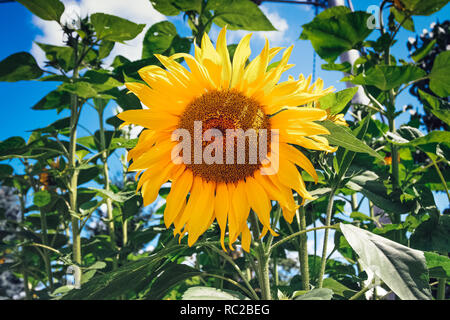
(225, 95)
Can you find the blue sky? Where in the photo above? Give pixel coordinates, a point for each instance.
(19, 29)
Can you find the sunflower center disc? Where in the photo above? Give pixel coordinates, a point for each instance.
(226, 111)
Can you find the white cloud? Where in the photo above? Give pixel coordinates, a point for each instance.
(138, 11)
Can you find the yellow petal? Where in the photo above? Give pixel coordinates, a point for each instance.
(240, 57)
(178, 192)
(259, 201)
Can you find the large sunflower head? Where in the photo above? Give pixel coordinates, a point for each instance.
(208, 101)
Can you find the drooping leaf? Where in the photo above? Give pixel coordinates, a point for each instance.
(369, 184)
(343, 137)
(401, 268)
(19, 66)
(129, 277)
(169, 276)
(45, 9)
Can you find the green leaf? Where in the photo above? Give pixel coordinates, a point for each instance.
(431, 137)
(169, 276)
(400, 17)
(369, 184)
(432, 234)
(207, 293)
(423, 8)
(343, 137)
(422, 52)
(438, 265)
(336, 102)
(42, 198)
(45, 9)
(100, 80)
(335, 31)
(389, 77)
(60, 126)
(338, 288)
(314, 294)
(19, 66)
(162, 38)
(239, 15)
(342, 67)
(119, 197)
(105, 49)
(113, 28)
(174, 7)
(440, 75)
(82, 89)
(12, 145)
(401, 268)
(132, 276)
(59, 55)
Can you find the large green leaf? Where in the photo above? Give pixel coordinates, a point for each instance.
(162, 38)
(58, 100)
(423, 8)
(132, 276)
(440, 75)
(335, 31)
(369, 184)
(402, 269)
(207, 293)
(19, 66)
(169, 276)
(438, 265)
(113, 28)
(389, 77)
(239, 15)
(337, 101)
(174, 7)
(432, 234)
(401, 17)
(439, 107)
(315, 294)
(343, 137)
(45, 9)
(431, 137)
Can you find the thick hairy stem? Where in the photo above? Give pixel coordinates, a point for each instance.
(109, 206)
(73, 184)
(303, 248)
(263, 260)
(325, 237)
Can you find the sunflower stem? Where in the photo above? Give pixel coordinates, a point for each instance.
(109, 206)
(73, 183)
(325, 237)
(303, 248)
(263, 259)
